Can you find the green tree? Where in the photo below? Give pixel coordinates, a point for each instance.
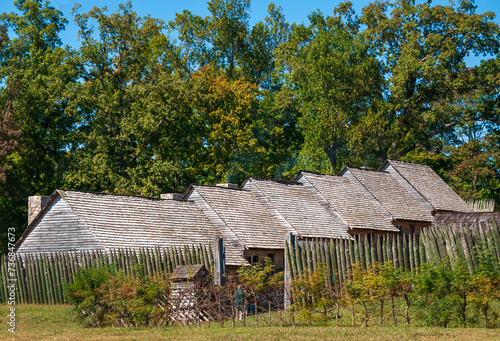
(474, 173)
(391, 81)
(422, 50)
(136, 132)
(225, 44)
(193, 35)
(36, 74)
(228, 27)
(264, 38)
(227, 110)
(337, 83)
(278, 135)
(312, 293)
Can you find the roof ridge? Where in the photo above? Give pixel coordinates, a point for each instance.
(222, 219)
(368, 169)
(103, 193)
(410, 185)
(409, 163)
(282, 215)
(281, 181)
(214, 186)
(82, 220)
(371, 197)
(383, 223)
(332, 176)
(380, 187)
(316, 193)
(313, 172)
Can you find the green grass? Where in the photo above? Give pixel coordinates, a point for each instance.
(44, 322)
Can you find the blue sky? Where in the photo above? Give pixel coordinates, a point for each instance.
(295, 10)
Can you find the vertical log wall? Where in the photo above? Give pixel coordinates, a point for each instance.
(40, 278)
(458, 243)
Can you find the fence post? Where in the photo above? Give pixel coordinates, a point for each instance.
(289, 243)
(219, 261)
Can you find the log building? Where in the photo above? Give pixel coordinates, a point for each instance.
(253, 220)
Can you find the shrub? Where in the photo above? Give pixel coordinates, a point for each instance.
(260, 279)
(132, 301)
(104, 297)
(313, 293)
(85, 295)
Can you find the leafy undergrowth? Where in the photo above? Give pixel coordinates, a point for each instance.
(43, 322)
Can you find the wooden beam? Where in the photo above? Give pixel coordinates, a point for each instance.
(290, 242)
(219, 261)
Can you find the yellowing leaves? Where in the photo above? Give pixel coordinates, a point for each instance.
(229, 110)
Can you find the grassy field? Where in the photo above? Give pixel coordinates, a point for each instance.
(42, 322)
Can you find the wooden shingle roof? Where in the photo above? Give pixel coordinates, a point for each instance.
(389, 193)
(296, 206)
(188, 271)
(120, 221)
(348, 200)
(428, 184)
(452, 218)
(239, 216)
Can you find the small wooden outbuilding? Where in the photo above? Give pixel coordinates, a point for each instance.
(188, 274)
(187, 295)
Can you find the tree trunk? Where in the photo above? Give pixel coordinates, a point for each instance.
(331, 151)
(367, 316)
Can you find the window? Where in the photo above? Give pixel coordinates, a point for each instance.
(401, 228)
(412, 229)
(252, 259)
(271, 257)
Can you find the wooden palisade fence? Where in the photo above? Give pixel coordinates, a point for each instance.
(40, 278)
(465, 243)
(481, 205)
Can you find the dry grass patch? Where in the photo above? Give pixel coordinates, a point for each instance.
(42, 322)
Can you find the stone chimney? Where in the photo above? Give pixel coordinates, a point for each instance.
(35, 205)
(171, 196)
(228, 185)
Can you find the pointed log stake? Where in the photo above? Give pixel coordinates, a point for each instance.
(400, 252)
(292, 249)
(495, 231)
(406, 254)
(342, 256)
(367, 252)
(298, 259)
(314, 256)
(303, 256)
(335, 262)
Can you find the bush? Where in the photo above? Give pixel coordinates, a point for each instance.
(104, 297)
(314, 296)
(85, 295)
